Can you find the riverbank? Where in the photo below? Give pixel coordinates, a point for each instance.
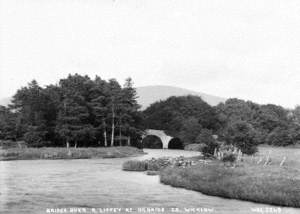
(71, 153)
(269, 184)
(249, 180)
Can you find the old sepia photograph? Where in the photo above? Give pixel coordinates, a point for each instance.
(150, 106)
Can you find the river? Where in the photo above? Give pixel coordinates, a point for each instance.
(37, 186)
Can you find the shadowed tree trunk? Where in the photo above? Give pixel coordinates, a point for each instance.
(112, 127)
(105, 138)
(120, 132)
(104, 132)
(128, 141)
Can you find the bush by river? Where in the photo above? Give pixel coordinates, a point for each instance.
(65, 153)
(157, 164)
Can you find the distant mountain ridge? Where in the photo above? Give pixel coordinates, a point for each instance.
(5, 101)
(150, 94)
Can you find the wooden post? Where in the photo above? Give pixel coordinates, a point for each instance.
(259, 161)
(267, 159)
(283, 160)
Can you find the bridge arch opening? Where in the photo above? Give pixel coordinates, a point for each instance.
(152, 142)
(175, 143)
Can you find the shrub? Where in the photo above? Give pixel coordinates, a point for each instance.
(242, 135)
(229, 153)
(209, 143)
(250, 150)
(153, 166)
(280, 136)
(135, 165)
(35, 138)
(6, 144)
(229, 157)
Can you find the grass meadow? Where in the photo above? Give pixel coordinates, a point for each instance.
(251, 179)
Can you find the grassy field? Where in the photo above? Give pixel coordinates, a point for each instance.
(71, 153)
(292, 155)
(249, 180)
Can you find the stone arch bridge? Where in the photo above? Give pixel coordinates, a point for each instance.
(165, 139)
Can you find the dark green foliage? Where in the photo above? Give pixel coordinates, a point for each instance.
(295, 115)
(185, 117)
(73, 124)
(30, 106)
(78, 111)
(169, 114)
(236, 109)
(182, 117)
(229, 158)
(8, 124)
(129, 122)
(271, 117)
(7, 144)
(280, 137)
(242, 135)
(265, 120)
(210, 144)
(190, 130)
(99, 110)
(35, 137)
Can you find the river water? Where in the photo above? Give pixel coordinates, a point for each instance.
(59, 186)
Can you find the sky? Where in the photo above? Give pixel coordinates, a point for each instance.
(228, 48)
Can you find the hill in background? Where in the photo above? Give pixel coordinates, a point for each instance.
(150, 94)
(5, 101)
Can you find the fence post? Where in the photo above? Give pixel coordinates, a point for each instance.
(283, 160)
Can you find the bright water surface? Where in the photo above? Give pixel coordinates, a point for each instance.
(32, 186)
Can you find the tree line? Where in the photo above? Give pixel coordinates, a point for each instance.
(78, 111)
(242, 123)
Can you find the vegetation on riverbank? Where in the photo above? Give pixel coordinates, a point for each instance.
(244, 124)
(251, 179)
(71, 153)
(78, 111)
(157, 164)
(271, 184)
(135, 165)
(84, 112)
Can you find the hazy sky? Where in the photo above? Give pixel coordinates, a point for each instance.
(231, 48)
